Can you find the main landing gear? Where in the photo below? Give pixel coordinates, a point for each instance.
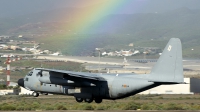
(89, 100)
(79, 100)
(98, 100)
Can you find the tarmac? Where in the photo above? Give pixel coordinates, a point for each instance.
(191, 67)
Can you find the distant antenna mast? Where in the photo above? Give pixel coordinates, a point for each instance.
(99, 50)
(41, 65)
(145, 53)
(8, 70)
(125, 63)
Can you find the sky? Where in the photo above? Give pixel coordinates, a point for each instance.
(19, 7)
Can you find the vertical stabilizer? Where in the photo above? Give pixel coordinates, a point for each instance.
(169, 67)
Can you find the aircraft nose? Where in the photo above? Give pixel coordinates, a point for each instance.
(21, 82)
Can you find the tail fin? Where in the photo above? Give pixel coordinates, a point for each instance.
(169, 68)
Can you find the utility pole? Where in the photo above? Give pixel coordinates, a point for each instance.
(99, 50)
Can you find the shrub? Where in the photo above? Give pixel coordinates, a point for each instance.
(61, 107)
(131, 106)
(146, 107)
(101, 108)
(2, 98)
(8, 107)
(3, 86)
(27, 107)
(172, 106)
(117, 106)
(88, 107)
(19, 108)
(49, 108)
(160, 97)
(35, 105)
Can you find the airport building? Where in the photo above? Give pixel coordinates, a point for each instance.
(191, 87)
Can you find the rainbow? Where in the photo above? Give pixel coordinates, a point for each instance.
(80, 21)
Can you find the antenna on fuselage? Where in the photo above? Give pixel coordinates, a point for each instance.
(41, 64)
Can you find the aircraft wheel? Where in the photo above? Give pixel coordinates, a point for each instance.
(35, 94)
(88, 100)
(98, 100)
(79, 100)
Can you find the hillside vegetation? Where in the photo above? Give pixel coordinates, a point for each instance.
(144, 29)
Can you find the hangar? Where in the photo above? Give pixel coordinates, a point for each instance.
(191, 87)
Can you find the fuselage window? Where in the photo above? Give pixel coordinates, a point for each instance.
(30, 73)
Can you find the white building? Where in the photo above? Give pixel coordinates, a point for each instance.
(5, 92)
(191, 87)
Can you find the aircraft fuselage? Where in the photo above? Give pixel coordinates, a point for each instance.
(114, 86)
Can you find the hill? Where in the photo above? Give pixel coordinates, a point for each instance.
(142, 29)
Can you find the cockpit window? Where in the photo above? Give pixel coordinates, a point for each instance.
(30, 73)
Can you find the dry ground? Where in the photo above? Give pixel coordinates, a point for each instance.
(191, 102)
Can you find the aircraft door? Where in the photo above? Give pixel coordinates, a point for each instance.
(102, 92)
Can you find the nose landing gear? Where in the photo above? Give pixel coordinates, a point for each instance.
(35, 94)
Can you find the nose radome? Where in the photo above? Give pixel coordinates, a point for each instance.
(21, 82)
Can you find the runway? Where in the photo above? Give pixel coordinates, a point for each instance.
(80, 59)
(114, 65)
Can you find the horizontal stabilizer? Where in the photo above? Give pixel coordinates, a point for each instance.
(161, 82)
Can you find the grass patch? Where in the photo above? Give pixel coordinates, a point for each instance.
(58, 102)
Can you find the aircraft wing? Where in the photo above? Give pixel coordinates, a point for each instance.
(75, 75)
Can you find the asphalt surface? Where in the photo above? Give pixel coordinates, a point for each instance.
(105, 62)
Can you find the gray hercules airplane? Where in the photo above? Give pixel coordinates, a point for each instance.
(98, 86)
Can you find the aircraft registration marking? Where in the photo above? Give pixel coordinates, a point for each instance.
(169, 48)
(125, 86)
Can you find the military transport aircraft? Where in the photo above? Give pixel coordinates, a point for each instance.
(97, 86)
